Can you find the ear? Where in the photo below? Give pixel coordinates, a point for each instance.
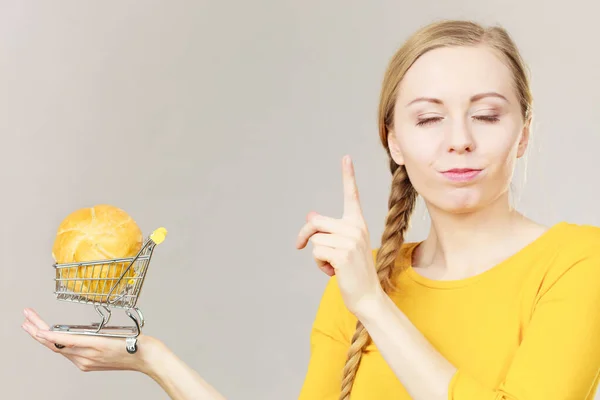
(524, 142)
(394, 146)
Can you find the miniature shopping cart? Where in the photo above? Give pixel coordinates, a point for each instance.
(105, 284)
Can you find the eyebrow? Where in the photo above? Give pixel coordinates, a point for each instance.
(473, 99)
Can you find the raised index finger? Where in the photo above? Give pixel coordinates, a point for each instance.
(352, 207)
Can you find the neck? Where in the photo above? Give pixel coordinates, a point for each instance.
(459, 245)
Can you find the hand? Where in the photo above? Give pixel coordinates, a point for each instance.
(91, 353)
(342, 246)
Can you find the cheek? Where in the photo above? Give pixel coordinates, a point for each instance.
(420, 150)
(420, 166)
(501, 150)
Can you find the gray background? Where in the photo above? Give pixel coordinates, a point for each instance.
(226, 122)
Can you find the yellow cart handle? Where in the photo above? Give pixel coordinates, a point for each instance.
(159, 235)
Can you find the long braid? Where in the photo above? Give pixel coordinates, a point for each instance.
(401, 205)
(359, 342)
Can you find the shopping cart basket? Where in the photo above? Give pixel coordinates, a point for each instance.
(105, 284)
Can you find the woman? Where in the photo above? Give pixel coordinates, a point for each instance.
(491, 305)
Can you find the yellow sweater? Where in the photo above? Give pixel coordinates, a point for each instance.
(527, 329)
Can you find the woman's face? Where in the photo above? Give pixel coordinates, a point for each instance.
(458, 127)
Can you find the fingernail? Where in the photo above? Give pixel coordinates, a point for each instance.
(26, 313)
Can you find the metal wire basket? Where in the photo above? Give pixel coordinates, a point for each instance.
(108, 284)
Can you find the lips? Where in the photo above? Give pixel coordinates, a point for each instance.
(461, 170)
(461, 174)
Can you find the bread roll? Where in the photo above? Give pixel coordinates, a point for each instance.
(101, 232)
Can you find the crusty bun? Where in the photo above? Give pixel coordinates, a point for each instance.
(101, 232)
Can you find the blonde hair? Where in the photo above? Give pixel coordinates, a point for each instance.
(403, 196)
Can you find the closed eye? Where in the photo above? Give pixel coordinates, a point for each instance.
(482, 118)
(487, 118)
(428, 121)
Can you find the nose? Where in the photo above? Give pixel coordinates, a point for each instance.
(460, 138)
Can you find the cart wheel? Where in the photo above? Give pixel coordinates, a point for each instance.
(131, 345)
(59, 346)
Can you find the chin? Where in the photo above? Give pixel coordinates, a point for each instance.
(460, 201)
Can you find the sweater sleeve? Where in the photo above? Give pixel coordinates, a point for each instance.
(330, 338)
(559, 357)
(329, 343)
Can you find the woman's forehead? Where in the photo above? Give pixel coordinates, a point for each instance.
(457, 73)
